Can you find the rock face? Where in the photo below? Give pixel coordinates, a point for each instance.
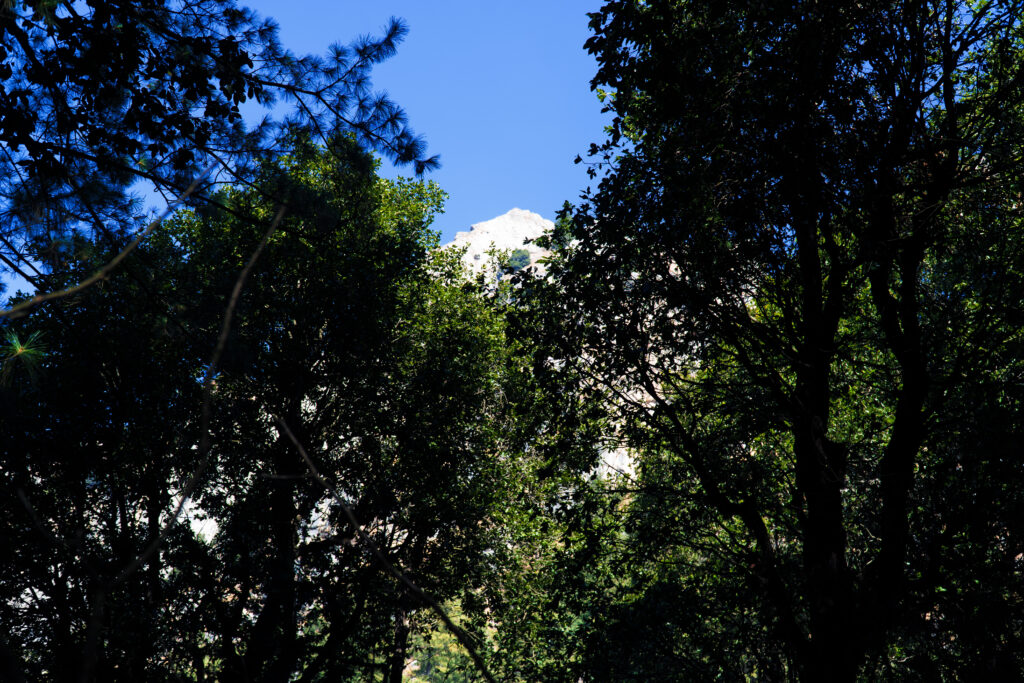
(506, 232)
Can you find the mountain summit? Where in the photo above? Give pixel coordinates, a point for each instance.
(510, 231)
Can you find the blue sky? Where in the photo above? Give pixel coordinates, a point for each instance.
(500, 89)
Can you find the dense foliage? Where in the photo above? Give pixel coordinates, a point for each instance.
(797, 290)
(382, 360)
(758, 419)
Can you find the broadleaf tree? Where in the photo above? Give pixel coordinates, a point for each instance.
(376, 351)
(796, 288)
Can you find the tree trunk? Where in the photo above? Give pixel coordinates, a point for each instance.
(396, 660)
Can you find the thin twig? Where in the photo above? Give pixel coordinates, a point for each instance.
(458, 632)
(114, 262)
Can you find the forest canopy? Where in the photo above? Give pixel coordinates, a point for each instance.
(757, 418)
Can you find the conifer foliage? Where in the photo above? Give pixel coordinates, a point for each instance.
(98, 96)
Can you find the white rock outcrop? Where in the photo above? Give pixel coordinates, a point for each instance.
(507, 232)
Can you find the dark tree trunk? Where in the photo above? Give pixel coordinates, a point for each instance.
(396, 659)
(271, 653)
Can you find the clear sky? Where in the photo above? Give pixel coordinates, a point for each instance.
(499, 88)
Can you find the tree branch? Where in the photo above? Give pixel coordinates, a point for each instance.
(18, 310)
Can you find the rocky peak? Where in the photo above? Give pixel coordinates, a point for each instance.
(510, 232)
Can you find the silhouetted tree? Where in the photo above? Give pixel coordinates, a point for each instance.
(797, 288)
